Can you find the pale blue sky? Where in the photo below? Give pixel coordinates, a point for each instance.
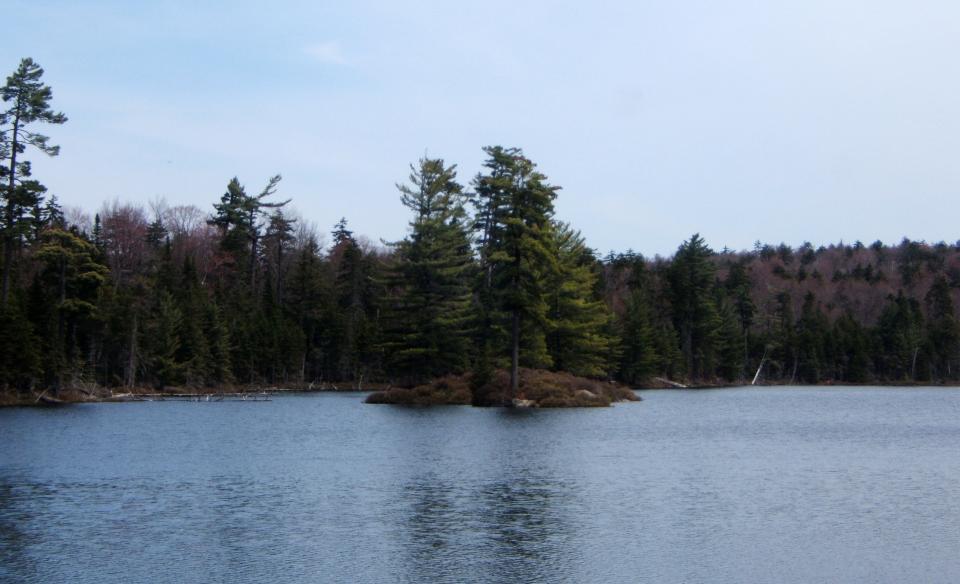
(743, 120)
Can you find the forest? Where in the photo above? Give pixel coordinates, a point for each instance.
(487, 277)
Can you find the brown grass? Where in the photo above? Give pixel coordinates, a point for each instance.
(538, 388)
(446, 391)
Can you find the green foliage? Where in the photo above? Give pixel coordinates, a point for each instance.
(19, 349)
(901, 338)
(162, 341)
(429, 333)
(253, 296)
(695, 313)
(27, 102)
(640, 360)
(514, 206)
(579, 339)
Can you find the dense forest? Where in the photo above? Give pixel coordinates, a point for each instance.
(486, 278)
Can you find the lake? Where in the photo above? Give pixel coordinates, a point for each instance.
(733, 485)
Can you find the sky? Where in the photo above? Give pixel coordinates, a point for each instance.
(788, 121)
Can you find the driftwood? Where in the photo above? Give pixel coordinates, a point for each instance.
(668, 382)
(760, 368)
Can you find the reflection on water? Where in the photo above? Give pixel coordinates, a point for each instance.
(727, 486)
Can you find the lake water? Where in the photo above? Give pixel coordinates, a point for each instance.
(737, 485)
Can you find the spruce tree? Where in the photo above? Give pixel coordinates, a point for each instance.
(694, 309)
(943, 330)
(640, 359)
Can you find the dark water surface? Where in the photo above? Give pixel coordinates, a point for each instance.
(746, 485)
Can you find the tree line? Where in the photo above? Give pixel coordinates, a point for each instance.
(487, 277)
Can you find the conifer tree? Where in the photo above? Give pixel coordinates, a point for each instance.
(943, 329)
(853, 349)
(901, 338)
(515, 208)
(162, 341)
(238, 218)
(353, 317)
(310, 300)
(71, 277)
(194, 349)
(429, 335)
(640, 360)
(812, 340)
(579, 340)
(694, 310)
(28, 102)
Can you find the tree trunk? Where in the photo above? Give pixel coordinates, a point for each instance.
(131, 376)
(7, 261)
(514, 360)
(11, 184)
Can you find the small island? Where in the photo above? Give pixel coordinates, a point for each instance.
(537, 389)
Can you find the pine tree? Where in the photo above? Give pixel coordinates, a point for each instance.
(515, 207)
(238, 218)
(429, 334)
(579, 340)
(29, 103)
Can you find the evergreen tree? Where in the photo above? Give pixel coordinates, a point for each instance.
(730, 341)
(738, 289)
(19, 349)
(310, 301)
(694, 310)
(238, 218)
(515, 208)
(430, 334)
(28, 102)
(943, 330)
(852, 350)
(70, 278)
(812, 340)
(354, 318)
(901, 338)
(579, 340)
(194, 349)
(640, 360)
(162, 341)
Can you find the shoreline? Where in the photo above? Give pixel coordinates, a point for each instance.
(257, 392)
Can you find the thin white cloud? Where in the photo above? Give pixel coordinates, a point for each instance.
(327, 52)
